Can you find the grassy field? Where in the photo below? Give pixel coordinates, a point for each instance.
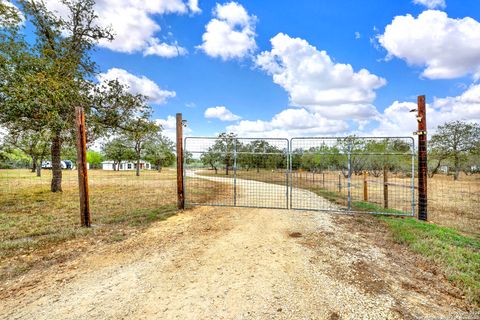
(34, 221)
(451, 203)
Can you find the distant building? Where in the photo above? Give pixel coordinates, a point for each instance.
(125, 165)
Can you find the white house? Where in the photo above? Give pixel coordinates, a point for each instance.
(126, 165)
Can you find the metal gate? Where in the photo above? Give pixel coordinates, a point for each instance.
(352, 174)
(242, 172)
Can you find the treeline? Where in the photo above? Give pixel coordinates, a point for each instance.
(45, 76)
(365, 154)
(455, 145)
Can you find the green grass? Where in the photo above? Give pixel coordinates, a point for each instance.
(457, 255)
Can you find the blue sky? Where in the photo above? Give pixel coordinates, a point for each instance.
(226, 75)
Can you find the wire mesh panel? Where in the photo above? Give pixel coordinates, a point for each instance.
(247, 172)
(354, 174)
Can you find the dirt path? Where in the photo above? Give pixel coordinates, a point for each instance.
(230, 263)
(268, 195)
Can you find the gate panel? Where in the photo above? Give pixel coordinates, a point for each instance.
(231, 171)
(354, 174)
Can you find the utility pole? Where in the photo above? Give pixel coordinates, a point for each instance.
(422, 159)
(180, 186)
(85, 217)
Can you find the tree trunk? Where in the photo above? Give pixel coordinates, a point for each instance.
(457, 168)
(56, 185)
(34, 164)
(138, 167)
(159, 167)
(39, 167)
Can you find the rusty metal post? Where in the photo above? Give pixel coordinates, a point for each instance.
(82, 168)
(365, 186)
(422, 159)
(385, 186)
(180, 186)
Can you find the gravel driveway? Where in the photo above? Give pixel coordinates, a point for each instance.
(238, 263)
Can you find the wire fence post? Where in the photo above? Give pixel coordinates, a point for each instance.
(385, 186)
(82, 168)
(422, 159)
(234, 172)
(180, 182)
(349, 183)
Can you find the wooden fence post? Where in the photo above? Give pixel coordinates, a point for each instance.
(339, 183)
(385, 186)
(85, 217)
(422, 159)
(180, 185)
(365, 186)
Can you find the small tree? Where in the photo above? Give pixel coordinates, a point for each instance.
(138, 131)
(94, 158)
(159, 151)
(118, 150)
(34, 143)
(456, 140)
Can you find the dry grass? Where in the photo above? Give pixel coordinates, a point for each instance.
(35, 222)
(451, 203)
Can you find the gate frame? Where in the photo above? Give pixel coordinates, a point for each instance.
(289, 173)
(235, 152)
(348, 210)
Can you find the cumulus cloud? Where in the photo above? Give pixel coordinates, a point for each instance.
(431, 4)
(221, 113)
(230, 34)
(138, 85)
(133, 23)
(317, 83)
(289, 123)
(396, 118)
(169, 127)
(447, 48)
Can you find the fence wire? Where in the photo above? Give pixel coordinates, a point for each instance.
(355, 174)
(342, 174)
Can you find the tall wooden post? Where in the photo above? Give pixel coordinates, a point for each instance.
(385, 186)
(422, 159)
(180, 186)
(365, 186)
(85, 217)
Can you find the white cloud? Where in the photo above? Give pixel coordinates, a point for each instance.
(169, 127)
(357, 35)
(138, 85)
(317, 83)
(396, 119)
(289, 123)
(431, 4)
(448, 48)
(230, 34)
(133, 23)
(164, 50)
(221, 113)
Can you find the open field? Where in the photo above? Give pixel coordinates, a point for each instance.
(34, 222)
(451, 203)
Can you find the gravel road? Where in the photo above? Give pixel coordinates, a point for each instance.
(239, 263)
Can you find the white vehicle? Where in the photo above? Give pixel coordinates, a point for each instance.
(48, 165)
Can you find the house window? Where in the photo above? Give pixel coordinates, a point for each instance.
(129, 166)
(121, 167)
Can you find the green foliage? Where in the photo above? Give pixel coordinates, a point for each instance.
(94, 158)
(159, 151)
(457, 142)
